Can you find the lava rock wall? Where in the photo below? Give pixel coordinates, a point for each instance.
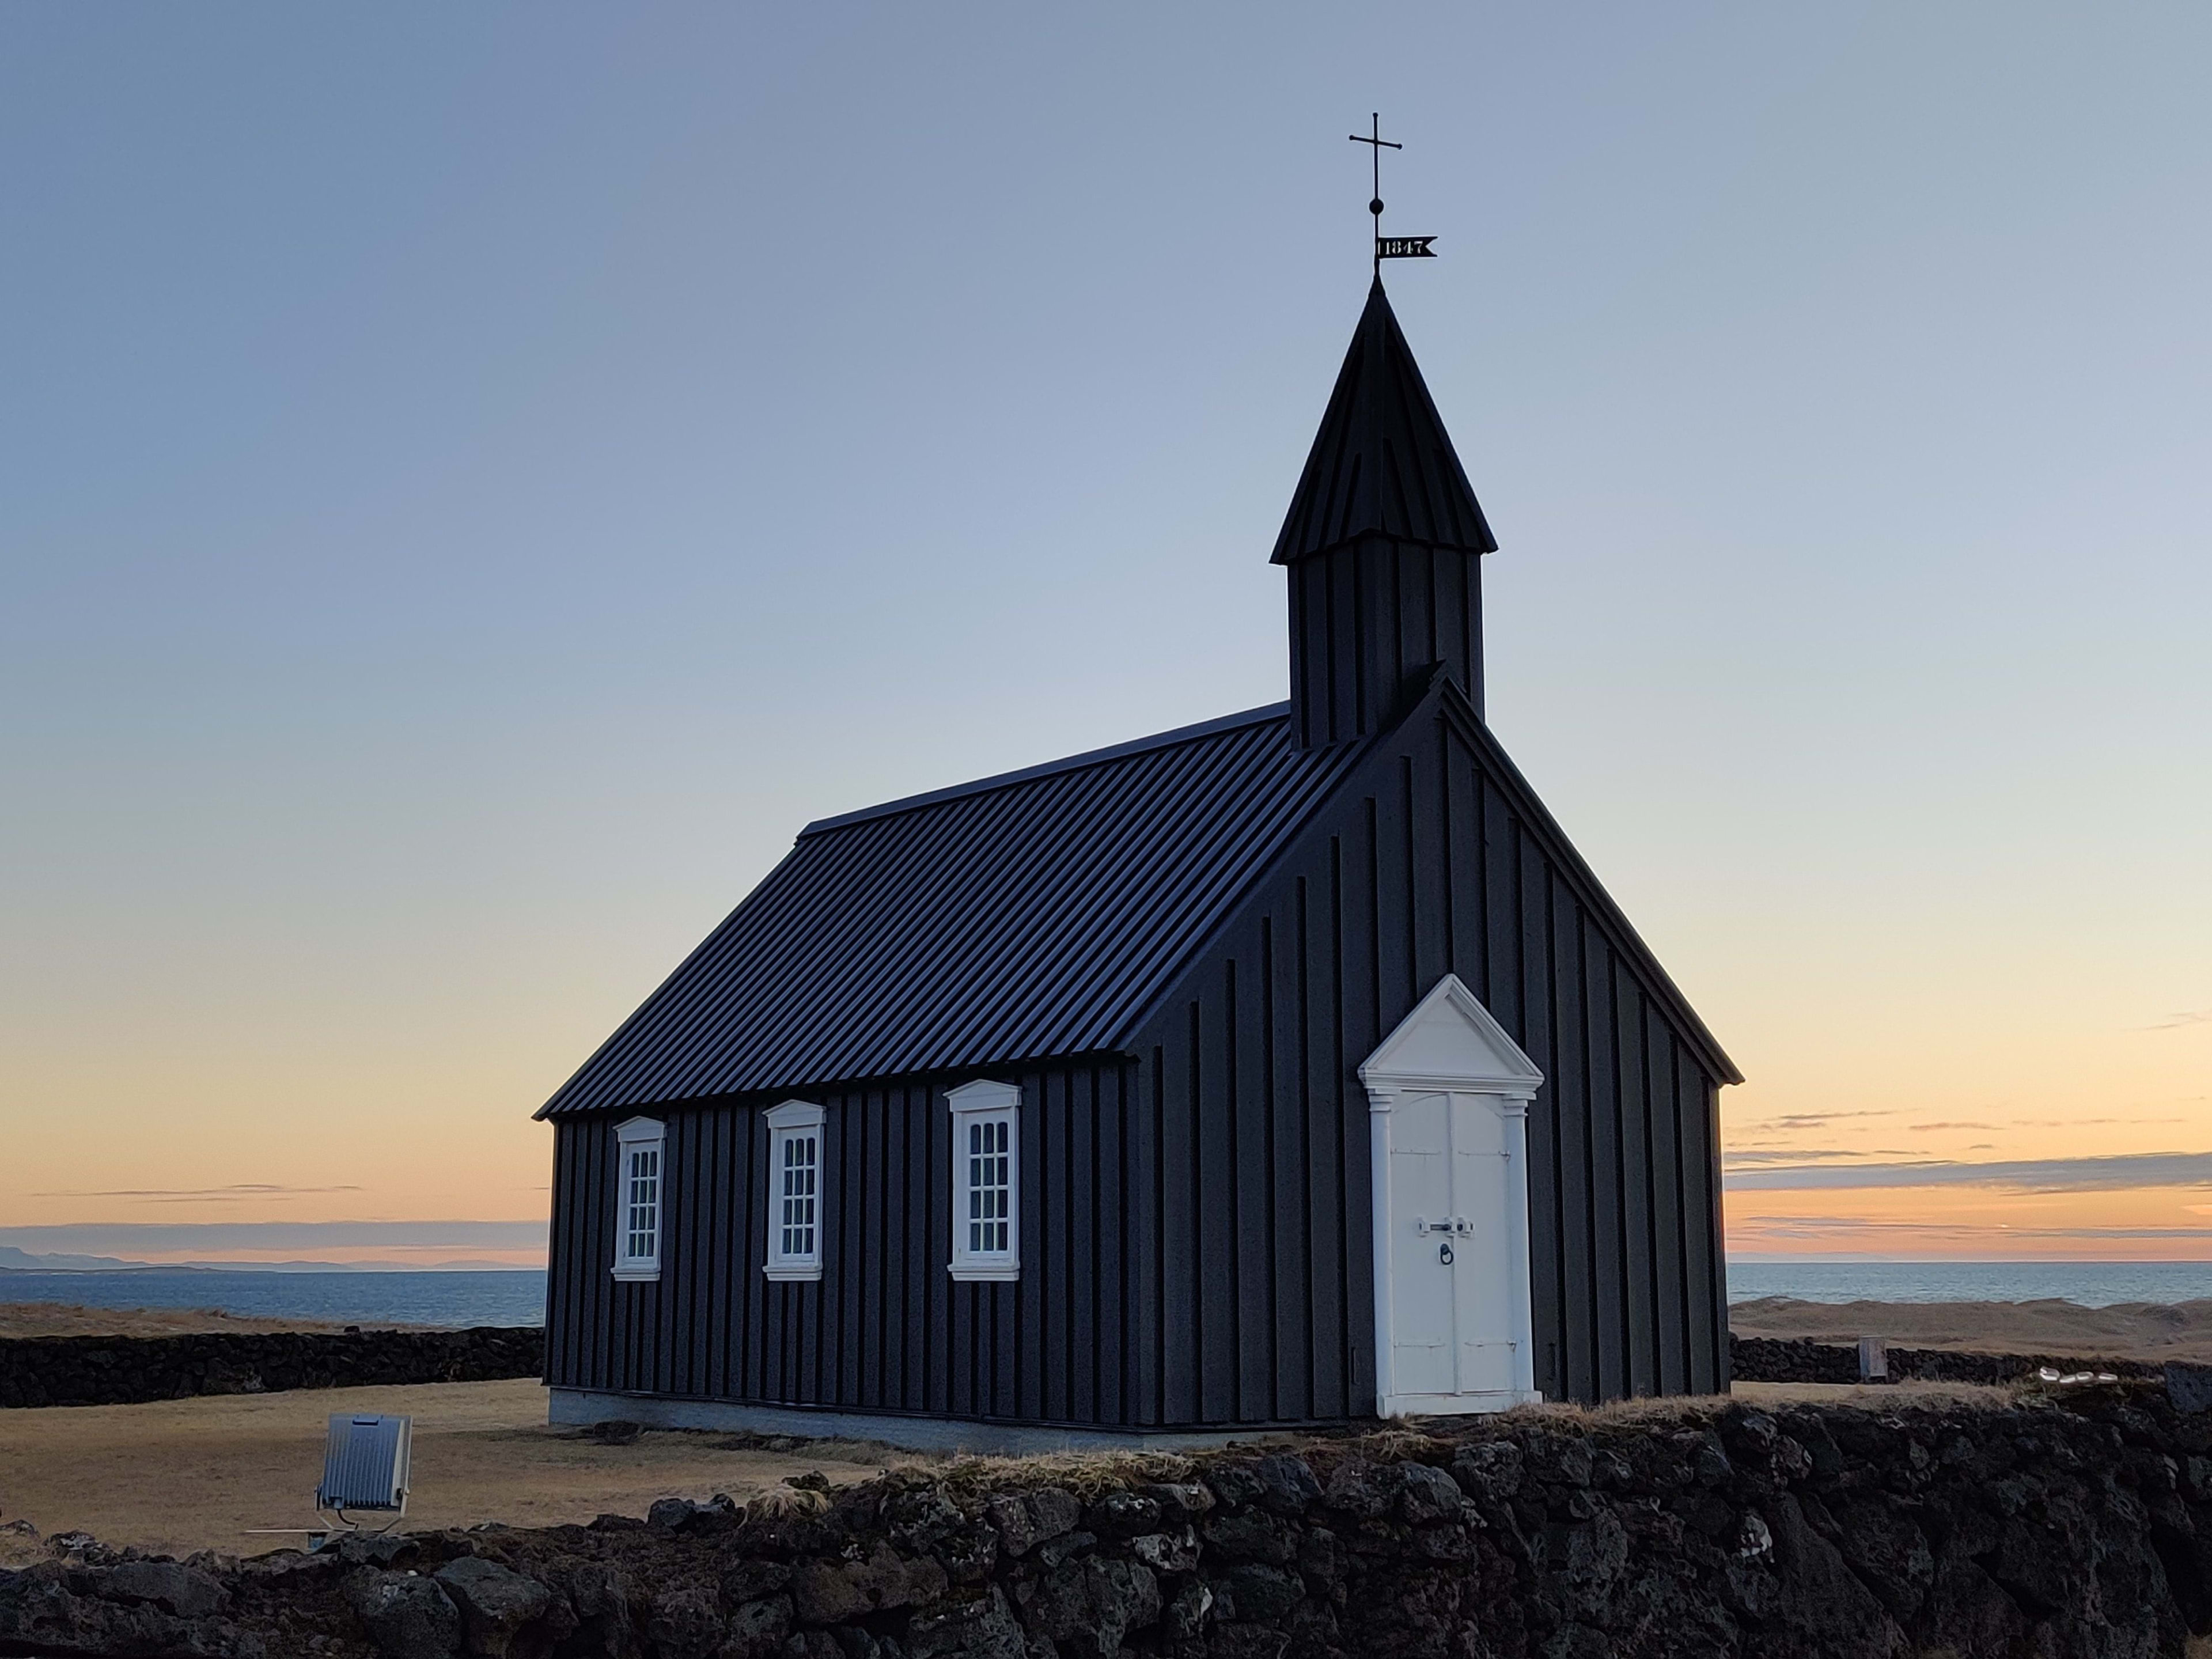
(105, 1370)
(1799, 1359)
(2073, 1527)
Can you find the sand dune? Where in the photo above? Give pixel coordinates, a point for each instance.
(2152, 1331)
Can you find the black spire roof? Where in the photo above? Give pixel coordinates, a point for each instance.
(1381, 462)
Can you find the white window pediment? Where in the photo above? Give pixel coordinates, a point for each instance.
(797, 1114)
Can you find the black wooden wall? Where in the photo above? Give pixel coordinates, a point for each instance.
(1437, 858)
(1365, 617)
(886, 1328)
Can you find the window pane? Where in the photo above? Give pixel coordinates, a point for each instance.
(989, 1181)
(641, 1204)
(796, 1198)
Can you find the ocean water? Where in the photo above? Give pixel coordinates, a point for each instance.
(2092, 1284)
(366, 1298)
(519, 1297)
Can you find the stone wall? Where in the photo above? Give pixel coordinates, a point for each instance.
(115, 1370)
(104, 1370)
(1799, 1359)
(2078, 1525)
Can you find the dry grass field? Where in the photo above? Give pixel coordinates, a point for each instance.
(179, 1475)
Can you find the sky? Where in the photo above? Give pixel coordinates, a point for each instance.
(475, 481)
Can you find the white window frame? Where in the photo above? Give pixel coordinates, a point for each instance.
(795, 1120)
(975, 1105)
(640, 1135)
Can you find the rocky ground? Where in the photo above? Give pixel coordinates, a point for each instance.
(2073, 1523)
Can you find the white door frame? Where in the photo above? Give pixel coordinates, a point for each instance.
(1451, 1043)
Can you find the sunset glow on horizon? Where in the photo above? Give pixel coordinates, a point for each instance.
(480, 481)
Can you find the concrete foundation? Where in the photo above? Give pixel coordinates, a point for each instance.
(583, 1406)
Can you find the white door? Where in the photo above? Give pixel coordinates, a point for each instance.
(1452, 1261)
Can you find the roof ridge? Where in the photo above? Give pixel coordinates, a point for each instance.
(1047, 768)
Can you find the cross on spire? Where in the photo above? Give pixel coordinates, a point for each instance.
(1377, 144)
(1394, 247)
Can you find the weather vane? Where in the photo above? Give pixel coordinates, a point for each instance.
(1389, 247)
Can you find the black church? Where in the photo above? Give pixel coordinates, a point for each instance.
(1289, 1068)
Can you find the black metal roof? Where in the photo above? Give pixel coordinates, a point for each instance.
(1021, 917)
(1381, 462)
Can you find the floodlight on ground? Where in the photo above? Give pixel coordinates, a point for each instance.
(365, 1467)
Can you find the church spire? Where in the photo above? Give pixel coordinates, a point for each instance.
(1381, 462)
(1384, 539)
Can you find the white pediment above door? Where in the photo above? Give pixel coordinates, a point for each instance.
(1450, 1037)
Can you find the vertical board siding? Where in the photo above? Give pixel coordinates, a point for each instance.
(885, 1329)
(1702, 1311)
(1570, 1101)
(1367, 615)
(1612, 1283)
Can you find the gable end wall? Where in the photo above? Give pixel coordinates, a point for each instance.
(1423, 864)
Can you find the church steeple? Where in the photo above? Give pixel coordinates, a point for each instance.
(1384, 540)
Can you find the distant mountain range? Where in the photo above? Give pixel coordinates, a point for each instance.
(14, 1261)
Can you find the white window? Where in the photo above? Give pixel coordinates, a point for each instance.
(986, 1182)
(794, 1191)
(640, 1172)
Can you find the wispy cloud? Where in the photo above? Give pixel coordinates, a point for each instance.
(133, 1238)
(2082, 1122)
(1808, 1227)
(2049, 1175)
(1924, 1128)
(237, 1193)
(1795, 1121)
(2175, 1022)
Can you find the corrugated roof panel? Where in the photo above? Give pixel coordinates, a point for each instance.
(1021, 917)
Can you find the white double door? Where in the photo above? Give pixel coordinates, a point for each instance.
(1451, 1257)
